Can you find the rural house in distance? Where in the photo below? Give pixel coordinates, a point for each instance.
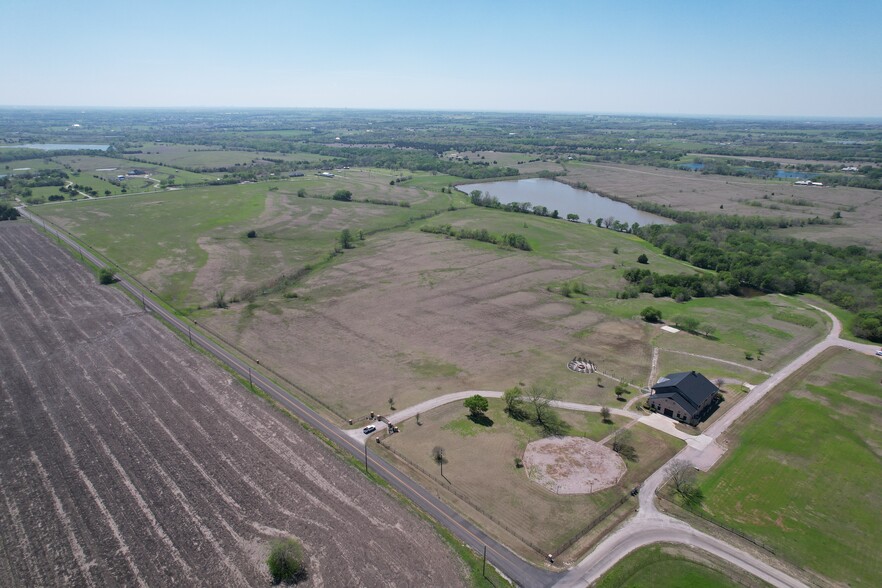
(686, 396)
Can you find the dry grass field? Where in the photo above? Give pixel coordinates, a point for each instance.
(480, 468)
(861, 209)
(409, 315)
(412, 316)
(126, 458)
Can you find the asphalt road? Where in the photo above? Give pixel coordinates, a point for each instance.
(646, 527)
(515, 568)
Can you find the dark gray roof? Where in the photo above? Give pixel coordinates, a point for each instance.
(691, 386)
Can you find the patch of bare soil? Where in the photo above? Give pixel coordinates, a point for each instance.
(573, 465)
(126, 458)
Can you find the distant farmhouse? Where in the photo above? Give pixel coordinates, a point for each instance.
(686, 396)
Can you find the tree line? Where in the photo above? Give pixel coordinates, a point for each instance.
(513, 240)
(849, 277)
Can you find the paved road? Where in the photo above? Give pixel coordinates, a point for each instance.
(651, 526)
(498, 555)
(647, 526)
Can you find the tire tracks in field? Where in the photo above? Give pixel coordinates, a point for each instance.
(77, 549)
(124, 549)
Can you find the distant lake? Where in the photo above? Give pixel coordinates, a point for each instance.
(57, 147)
(565, 199)
(794, 175)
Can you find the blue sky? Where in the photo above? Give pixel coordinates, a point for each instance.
(773, 58)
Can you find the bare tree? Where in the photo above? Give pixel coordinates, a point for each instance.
(540, 398)
(605, 413)
(608, 221)
(683, 476)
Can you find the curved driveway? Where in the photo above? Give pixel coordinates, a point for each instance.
(646, 527)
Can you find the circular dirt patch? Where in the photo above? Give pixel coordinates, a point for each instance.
(572, 465)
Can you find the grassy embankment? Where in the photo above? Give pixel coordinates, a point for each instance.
(663, 566)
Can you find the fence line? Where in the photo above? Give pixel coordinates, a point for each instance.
(468, 500)
(716, 523)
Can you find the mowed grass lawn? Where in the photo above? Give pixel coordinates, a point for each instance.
(481, 466)
(662, 566)
(805, 476)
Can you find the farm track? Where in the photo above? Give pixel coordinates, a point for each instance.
(127, 458)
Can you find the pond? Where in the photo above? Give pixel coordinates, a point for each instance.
(58, 146)
(565, 199)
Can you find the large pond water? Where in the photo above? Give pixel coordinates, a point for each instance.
(565, 199)
(58, 146)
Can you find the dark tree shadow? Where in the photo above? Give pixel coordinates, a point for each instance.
(481, 419)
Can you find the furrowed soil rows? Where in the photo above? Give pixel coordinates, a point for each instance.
(128, 459)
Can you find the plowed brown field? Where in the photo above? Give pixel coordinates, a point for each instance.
(128, 459)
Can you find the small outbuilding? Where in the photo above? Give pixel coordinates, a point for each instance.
(685, 396)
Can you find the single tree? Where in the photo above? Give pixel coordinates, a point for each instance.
(682, 476)
(642, 258)
(346, 239)
(598, 222)
(477, 405)
(285, 561)
(251, 234)
(219, 299)
(608, 221)
(622, 445)
(651, 314)
(605, 414)
(105, 276)
(513, 403)
(572, 217)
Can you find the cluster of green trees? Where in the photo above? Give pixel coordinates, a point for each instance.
(486, 200)
(682, 287)
(7, 212)
(513, 240)
(849, 277)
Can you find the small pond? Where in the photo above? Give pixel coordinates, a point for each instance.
(565, 199)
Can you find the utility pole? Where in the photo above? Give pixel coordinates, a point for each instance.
(189, 335)
(365, 457)
(249, 379)
(484, 568)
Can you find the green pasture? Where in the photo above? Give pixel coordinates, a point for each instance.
(9, 167)
(657, 566)
(89, 164)
(804, 478)
(157, 236)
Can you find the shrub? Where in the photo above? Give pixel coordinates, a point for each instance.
(285, 561)
(651, 314)
(105, 276)
(342, 196)
(642, 258)
(251, 234)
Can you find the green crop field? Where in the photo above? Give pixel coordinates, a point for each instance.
(804, 478)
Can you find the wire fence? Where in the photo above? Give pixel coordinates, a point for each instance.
(542, 551)
(727, 528)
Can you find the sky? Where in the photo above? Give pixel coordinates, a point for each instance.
(807, 58)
